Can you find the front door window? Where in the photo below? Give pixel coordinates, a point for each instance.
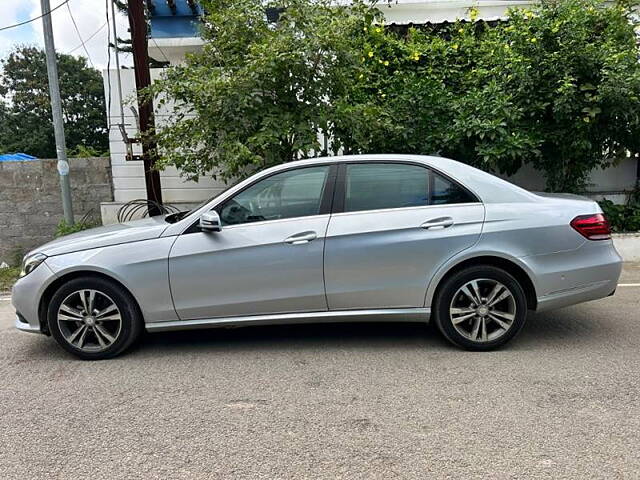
(290, 194)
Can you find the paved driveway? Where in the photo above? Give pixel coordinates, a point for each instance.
(332, 401)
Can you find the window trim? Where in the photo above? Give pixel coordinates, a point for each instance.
(326, 202)
(275, 220)
(341, 191)
(404, 209)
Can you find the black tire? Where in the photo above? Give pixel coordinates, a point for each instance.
(484, 275)
(131, 325)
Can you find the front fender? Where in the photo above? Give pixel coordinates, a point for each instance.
(141, 267)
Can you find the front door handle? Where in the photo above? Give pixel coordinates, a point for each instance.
(441, 222)
(300, 238)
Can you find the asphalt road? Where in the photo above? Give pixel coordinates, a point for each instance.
(332, 401)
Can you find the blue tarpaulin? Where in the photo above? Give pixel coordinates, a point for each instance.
(15, 157)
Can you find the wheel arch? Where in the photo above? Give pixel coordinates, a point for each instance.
(47, 295)
(508, 265)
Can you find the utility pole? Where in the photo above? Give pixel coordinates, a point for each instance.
(138, 27)
(56, 111)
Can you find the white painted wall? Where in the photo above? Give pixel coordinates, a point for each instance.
(173, 50)
(438, 11)
(128, 176)
(603, 183)
(628, 246)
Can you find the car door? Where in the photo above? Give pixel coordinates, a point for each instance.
(266, 259)
(393, 225)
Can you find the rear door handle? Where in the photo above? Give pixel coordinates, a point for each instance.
(300, 238)
(435, 223)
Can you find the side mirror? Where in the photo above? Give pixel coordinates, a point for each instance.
(210, 222)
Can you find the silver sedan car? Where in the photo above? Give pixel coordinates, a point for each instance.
(353, 238)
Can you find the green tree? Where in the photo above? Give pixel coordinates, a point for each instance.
(557, 87)
(427, 92)
(259, 93)
(573, 68)
(25, 110)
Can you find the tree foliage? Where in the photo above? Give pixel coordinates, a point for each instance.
(25, 110)
(258, 94)
(557, 87)
(572, 67)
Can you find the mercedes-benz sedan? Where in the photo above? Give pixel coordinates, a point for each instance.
(354, 238)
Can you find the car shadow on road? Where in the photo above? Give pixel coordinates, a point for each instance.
(301, 336)
(573, 327)
(568, 327)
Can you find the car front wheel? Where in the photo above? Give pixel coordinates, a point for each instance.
(480, 307)
(94, 318)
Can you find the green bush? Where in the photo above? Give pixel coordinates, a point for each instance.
(84, 151)
(8, 276)
(64, 229)
(622, 218)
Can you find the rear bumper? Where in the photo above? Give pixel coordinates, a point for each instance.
(588, 273)
(577, 295)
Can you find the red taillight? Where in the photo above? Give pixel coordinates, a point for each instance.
(593, 227)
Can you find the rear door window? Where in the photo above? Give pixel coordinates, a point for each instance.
(374, 186)
(444, 191)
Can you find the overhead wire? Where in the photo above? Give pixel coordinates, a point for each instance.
(88, 39)
(34, 18)
(158, 47)
(83, 43)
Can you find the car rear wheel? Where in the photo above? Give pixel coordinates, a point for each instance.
(94, 318)
(480, 308)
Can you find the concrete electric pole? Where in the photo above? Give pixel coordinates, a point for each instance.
(56, 110)
(138, 27)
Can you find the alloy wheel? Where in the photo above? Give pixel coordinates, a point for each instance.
(89, 320)
(483, 310)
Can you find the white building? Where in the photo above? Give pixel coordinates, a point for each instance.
(173, 34)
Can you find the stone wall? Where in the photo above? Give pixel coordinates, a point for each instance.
(31, 205)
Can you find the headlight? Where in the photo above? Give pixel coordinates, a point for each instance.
(30, 263)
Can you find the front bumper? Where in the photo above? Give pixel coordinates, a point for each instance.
(22, 325)
(26, 295)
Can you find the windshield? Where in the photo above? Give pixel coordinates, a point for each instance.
(176, 217)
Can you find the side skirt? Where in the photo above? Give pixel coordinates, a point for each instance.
(377, 315)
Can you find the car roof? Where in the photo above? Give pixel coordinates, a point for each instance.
(489, 188)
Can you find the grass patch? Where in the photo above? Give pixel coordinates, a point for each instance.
(8, 276)
(63, 229)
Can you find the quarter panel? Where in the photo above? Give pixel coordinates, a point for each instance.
(523, 229)
(142, 267)
(539, 239)
(515, 231)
